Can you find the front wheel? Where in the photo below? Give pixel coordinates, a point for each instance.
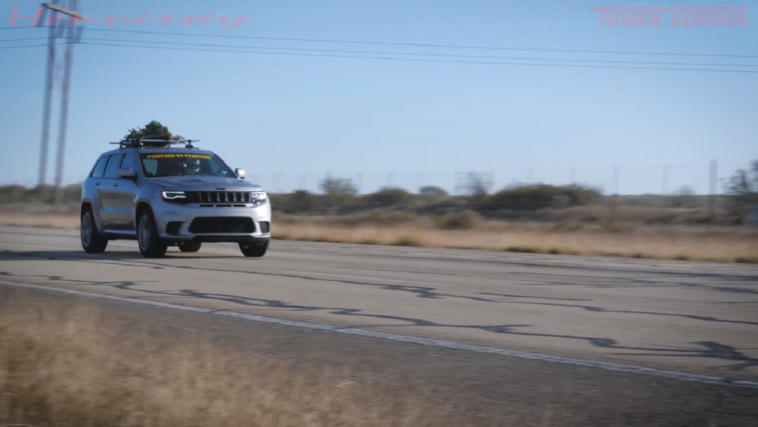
(150, 244)
(190, 246)
(255, 250)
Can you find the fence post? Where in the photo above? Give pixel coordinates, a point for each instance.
(664, 185)
(712, 190)
(359, 183)
(615, 187)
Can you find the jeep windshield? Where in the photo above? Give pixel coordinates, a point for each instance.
(156, 165)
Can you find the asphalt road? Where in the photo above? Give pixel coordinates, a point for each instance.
(670, 316)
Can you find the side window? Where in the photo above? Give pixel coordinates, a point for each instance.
(111, 171)
(97, 172)
(128, 161)
(214, 168)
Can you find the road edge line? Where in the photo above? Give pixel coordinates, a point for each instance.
(521, 354)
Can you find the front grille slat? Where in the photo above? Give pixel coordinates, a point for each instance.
(212, 197)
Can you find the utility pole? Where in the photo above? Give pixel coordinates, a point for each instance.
(72, 34)
(46, 108)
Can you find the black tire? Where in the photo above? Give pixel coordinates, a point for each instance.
(254, 250)
(92, 241)
(148, 239)
(190, 246)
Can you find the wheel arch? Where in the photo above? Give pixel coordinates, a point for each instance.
(87, 204)
(142, 206)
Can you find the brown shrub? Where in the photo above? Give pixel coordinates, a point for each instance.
(458, 221)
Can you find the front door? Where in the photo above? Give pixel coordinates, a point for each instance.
(124, 193)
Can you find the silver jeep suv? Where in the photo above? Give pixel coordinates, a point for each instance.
(166, 196)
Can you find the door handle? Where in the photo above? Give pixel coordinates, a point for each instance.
(97, 183)
(115, 184)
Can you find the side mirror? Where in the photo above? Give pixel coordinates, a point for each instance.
(127, 173)
(240, 173)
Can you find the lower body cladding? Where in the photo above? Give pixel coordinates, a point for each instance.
(181, 224)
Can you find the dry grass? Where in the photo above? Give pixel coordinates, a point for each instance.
(468, 231)
(47, 220)
(729, 244)
(40, 215)
(68, 364)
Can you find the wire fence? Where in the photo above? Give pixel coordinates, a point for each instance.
(710, 178)
(695, 179)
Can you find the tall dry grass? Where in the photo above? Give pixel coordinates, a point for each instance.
(705, 243)
(64, 364)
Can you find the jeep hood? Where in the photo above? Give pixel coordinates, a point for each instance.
(204, 183)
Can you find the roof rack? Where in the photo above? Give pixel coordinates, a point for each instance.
(150, 142)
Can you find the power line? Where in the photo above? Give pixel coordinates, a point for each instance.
(17, 47)
(420, 60)
(428, 54)
(409, 44)
(22, 40)
(411, 53)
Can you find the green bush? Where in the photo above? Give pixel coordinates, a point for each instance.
(387, 197)
(432, 190)
(540, 196)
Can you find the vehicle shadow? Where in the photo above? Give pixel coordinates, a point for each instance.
(80, 255)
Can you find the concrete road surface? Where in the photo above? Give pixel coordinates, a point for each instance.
(673, 317)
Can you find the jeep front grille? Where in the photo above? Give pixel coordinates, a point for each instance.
(217, 196)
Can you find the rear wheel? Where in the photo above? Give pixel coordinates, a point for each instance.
(150, 244)
(255, 250)
(92, 241)
(190, 246)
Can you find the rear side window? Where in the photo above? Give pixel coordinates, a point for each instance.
(99, 167)
(111, 171)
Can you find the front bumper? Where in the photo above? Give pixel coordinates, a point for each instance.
(174, 222)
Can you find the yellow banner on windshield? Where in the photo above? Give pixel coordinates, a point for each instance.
(178, 155)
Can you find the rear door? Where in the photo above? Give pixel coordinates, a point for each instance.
(108, 203)
(92, 186)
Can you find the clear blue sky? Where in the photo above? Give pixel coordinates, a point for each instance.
(293, 115)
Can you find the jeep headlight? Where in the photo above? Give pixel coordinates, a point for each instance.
(258, 198)
(173, 195)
